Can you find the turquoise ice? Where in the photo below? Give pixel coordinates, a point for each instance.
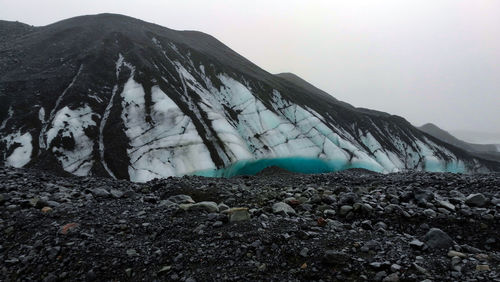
(293, 164)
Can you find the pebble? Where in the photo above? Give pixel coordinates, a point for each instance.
(283, 209)
(344, 210)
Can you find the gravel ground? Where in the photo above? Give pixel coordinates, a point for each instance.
(352, 225)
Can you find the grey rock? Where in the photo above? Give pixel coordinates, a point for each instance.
(329, 213)
(476, 200)
(13, 207)
(335, 258)
(181, 199)
(393, 277)
(283, 208)
(395, 267)
(348, 198)
(100, 192)
(367, 225)
(132, 253)
(167, 204)
(422, 196)
(379, 276)
(417, 244)
(345, 209)
(429, 213)
(438, 239)
(116, 193)
(206, 206)
(223, 207)
(238, 214)
(446, 205)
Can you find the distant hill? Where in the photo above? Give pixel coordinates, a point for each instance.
(487, 151)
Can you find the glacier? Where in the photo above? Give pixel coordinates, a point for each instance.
(157, 103)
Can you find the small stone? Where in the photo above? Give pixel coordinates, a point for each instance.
(476, 200)
(348, 198)
(100, 192)
(283, 208)
(394, 277)
(367, 208)
(453, 253)
(395, 267)
(321, 222)
(238, 214)
(46, 209)
(116, 193)
(165, 269)
(482, 257)
(345, 209)
(223, 207)
(181, 199)
(12, 260)
(367, 225)
(9, 230)
(437, 239)
(335, 257)
(132, 253)
(482, 267)
(421, 269)
(91, 276)
(68, 227)
(379, 276)
(455, 261)
(37, 203)
(329, 213)
(417, 244)
(304, 252)
(218, 223)
(206, 206)
(128, 272)
(430, 213)
(291, 201)
(167, 204)
(446, 205)
(13, 207)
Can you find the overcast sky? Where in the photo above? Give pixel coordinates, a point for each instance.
(428, 61)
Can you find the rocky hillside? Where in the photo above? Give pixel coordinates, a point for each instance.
(109, 95)
(350, 226)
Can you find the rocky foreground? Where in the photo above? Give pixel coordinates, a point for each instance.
(353, 225)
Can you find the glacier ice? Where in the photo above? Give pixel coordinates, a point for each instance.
(169, 145)
(21, 154)
(72, 124)
(42, 142)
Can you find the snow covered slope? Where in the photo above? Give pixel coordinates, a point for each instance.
(113, 96)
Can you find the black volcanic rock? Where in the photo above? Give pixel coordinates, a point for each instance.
(86, 234)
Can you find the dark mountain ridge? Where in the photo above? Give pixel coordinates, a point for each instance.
(487, 151)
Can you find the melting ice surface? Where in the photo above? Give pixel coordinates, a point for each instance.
(293, 164)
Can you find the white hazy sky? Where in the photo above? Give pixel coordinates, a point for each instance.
(428, 61)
